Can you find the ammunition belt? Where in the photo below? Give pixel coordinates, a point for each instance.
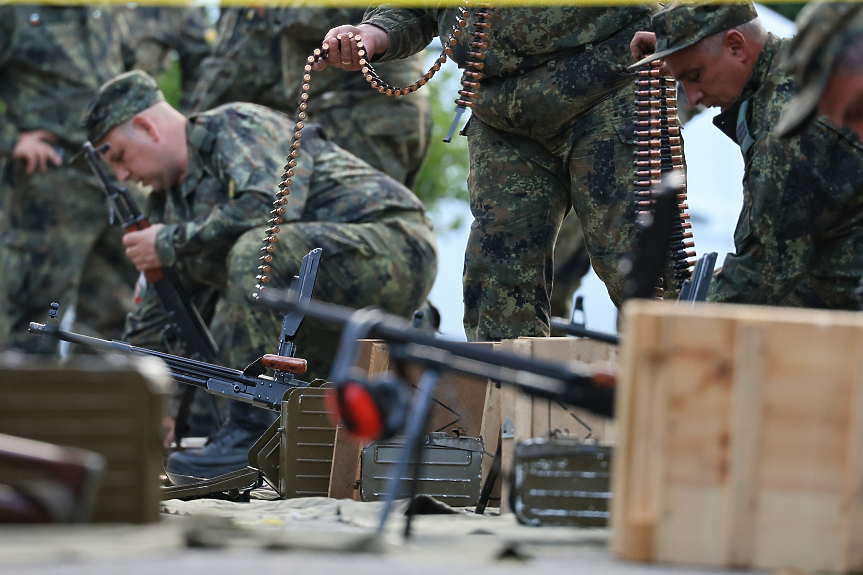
(660, 150)
(470, 82)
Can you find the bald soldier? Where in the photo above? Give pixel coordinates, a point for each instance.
(826, 60)
(214, 179)
(798, 238)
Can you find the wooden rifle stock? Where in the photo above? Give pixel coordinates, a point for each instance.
(287, 364)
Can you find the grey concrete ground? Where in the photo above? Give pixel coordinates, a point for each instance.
(311, 536)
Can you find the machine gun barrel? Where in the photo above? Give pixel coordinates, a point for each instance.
(257, 389)
(579, 330)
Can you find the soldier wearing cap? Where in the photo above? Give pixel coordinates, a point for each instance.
(798, 237)
(214, 179)
(826, 60)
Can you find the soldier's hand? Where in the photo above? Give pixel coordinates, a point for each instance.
(36, 150)
(141, 248)
(342, 50)
(643, 44)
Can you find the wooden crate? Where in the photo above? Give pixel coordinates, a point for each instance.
(740, 437)
(523, 417)
(111, 405)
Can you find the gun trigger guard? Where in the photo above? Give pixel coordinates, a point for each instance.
(255, 369)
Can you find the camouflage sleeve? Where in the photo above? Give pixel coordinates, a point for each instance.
(213, 234)
(8, 132)
(245, 161)
(774, 240)
(312, 24)
(409, 30)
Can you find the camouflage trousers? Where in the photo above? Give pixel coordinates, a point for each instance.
(59, 247)
(390, 263)
(521, 187)
(390, 136)
(571, 264)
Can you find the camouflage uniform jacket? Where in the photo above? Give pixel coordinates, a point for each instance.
(52, 62)
(801, 227)
(259, 55)
(236, 157)
(585, 50)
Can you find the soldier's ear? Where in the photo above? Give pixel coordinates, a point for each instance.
(146, 128)
(735, 42)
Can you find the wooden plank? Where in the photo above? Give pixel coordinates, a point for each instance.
(373, 357)
(346, 455)
(549, 416)
(743, 495)
(516, 417)
(490, 433)
(852, 513)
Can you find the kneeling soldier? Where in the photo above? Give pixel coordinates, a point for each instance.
(798, 238)
(214, 178)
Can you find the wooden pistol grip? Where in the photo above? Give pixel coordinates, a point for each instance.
(282, 363)
(152, 276)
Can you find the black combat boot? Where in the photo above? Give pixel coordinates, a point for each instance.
(228, 449)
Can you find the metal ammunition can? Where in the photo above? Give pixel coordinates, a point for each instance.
(561, 482)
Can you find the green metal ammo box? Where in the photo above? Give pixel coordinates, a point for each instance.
(561, 482)
(450, 469)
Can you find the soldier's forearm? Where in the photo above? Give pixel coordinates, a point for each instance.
(408, 31)
(9, 135)
(214, 232)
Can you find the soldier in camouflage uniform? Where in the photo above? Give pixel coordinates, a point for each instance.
(799, 235)
(59, 243)
(259, 56)
(826, 60)
(214, 179)
(552, 128)
(156, 31)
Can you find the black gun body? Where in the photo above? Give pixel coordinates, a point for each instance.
(261, 391)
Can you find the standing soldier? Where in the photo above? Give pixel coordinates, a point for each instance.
(551, 128)
(799, 235)
(259, 56)
(156, 31)
(52, 61)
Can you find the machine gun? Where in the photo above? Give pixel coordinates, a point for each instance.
(250, 385)
(380, 408)
(192, 333)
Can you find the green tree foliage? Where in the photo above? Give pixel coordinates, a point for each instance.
(170, 82)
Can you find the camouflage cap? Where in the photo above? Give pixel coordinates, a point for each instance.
(682, 24)
(825, 30)
(118, 101)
